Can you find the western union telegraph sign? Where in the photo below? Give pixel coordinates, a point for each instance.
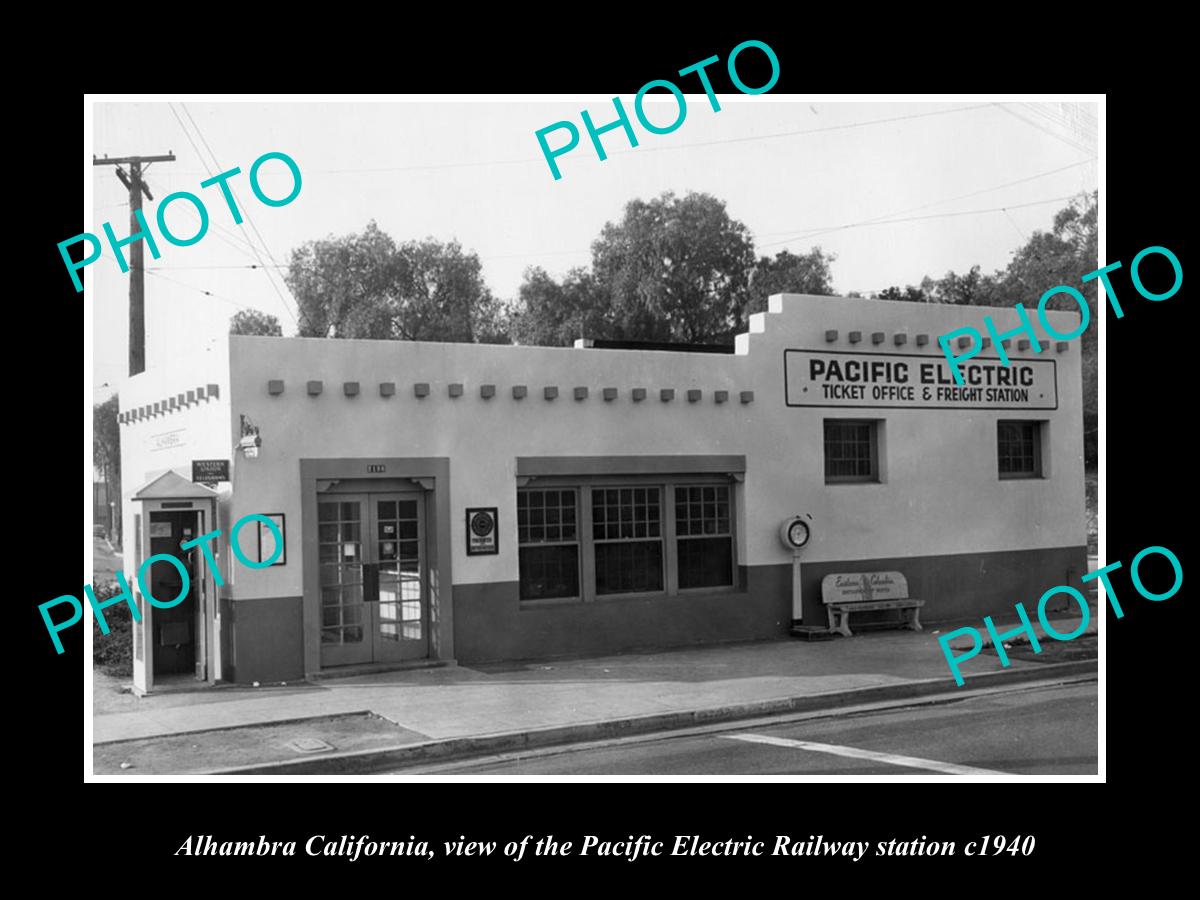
(913, 381)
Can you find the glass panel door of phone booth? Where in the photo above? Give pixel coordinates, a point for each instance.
(371, 559)
(177, 639)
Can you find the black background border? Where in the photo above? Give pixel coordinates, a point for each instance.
(1148, 455)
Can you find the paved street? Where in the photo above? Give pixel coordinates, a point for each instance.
(1051, 731)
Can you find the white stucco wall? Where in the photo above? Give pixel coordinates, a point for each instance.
(171, 440)
(942, 494)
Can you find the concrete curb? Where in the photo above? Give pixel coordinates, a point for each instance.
(365, 762)
(292, 720)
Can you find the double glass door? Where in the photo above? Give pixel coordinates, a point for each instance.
(372, 578)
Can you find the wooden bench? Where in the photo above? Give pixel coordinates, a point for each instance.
(868, 592)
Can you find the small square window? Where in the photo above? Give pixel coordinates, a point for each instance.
(851, 450)
(1019, 449)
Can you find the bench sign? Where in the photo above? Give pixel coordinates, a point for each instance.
(845, 594)
(865, 586)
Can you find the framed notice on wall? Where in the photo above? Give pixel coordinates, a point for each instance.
(210, 471)
(266, 539)
(482, 537)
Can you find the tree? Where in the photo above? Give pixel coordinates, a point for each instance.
(106, 452)
(674, 269)
(1063, 256)
(551, 314)
(252, 321)
(910, 294)
(790, 273)
(1060, 256)
(972, 289)
(366, 286)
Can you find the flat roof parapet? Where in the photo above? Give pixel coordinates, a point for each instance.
(667, 346)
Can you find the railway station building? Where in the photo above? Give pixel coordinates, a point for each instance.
(434, 503)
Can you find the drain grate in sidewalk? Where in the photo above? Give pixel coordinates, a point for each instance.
(229, 747)
(310, 745)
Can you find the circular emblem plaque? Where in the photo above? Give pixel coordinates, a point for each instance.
(482, 524)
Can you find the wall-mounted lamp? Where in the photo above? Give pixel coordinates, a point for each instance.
(250, 440)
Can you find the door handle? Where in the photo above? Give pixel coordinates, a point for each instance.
(370, 582)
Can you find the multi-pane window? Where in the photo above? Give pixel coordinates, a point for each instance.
(703, 535)
(339, 546)
(626, 529)
(589, 538)
(851, 450)
(547, 535)
(399, 571)
(1019, 449)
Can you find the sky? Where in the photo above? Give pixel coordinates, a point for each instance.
(896, 190)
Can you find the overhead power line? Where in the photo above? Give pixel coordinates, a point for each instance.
(208, 169)
(1070, 142)
(158, 273)
(218, 228)
(989, 190)
(969, 212)
(643, 149)
(246, 211)
(1080, 122)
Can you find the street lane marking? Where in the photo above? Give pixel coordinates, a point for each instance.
(892, 759)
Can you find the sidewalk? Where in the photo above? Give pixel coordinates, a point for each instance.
(568, 697)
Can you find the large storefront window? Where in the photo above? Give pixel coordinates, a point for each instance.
(597, 538)
(549, 546)
(704, 536)
(626, 530)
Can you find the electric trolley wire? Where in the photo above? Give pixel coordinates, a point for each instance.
(882, 219)
(1070, 142)
(643, 149)
(158, 274)
(249, 218)
(208, 169)
(1089, 120)
(1083, 125)
(900, 212)
(1014, 224)
(968, 212)
(885, 219)
(219, 230)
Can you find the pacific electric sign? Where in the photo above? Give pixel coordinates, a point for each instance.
(915, 381)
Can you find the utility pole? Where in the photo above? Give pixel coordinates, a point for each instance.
(137, 289)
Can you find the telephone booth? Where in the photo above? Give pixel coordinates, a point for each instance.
(176, 643)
